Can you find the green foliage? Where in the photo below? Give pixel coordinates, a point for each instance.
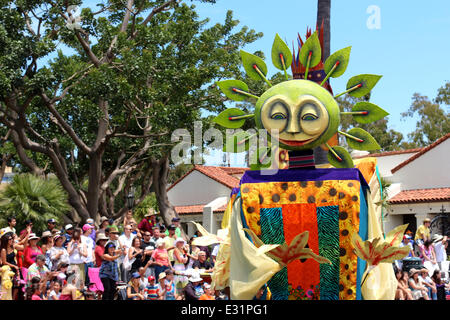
(227, 87)
(433, 122)
(33, 198)
(142, 208)
(238, 142)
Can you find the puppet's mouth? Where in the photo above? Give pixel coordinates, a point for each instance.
(295, 143)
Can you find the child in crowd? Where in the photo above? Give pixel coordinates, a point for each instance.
(152, 290)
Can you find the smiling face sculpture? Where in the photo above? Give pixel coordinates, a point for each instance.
(300, 114)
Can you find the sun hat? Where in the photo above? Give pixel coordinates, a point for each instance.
(59, 235)
(426, 220)
(101, 236)
(159, 242)
(437, 238)
(87, 227)
(46, 234)
(195, 278)
(162, 275)
(102, 219)
(413, 272)
(180, 240)
(69, 226)
(150, 212)
(113, 229)
(33, 236)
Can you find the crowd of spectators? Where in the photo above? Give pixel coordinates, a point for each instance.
(126, 260)
(428, 279)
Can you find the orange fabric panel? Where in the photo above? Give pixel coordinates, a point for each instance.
(298, 218)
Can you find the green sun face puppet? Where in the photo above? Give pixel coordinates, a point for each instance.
(303, 114)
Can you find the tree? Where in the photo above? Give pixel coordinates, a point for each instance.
(34, 198)
(433, 121)
(101, 118)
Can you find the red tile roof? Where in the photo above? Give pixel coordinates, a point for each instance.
(195, 209)
(421, 195)
(223, 175)
(389, 153)
(424, 150)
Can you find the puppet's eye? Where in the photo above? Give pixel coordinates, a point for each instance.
(309, 117)
(278, 116)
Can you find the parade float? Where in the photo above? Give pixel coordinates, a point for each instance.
(295, 229)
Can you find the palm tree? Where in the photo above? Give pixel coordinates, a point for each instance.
(323, 15)
(29, 197)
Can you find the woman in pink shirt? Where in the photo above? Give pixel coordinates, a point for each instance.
(160, 258)
(31, 251)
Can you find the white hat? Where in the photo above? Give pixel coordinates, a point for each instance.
(159, 242)
(195, 277)
(180, 240)
(90, 220)
(69, 226)
(162, 275)
(33, 236)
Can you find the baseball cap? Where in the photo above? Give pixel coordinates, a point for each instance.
(90, 220)
(103, 219)
(175, 219)
(87, 227)
(69, 226)
(51, 220)
(172, 227)
(151, 278)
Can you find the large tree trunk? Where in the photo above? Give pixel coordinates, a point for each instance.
(160, 173)
(323, 15)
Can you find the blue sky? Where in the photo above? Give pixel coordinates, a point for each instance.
(410, 48)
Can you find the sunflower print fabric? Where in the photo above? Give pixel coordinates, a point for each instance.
(300, 201)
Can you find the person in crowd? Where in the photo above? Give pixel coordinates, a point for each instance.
(148, 222)
(440, 244)
(46, 246)
(134, 291)
(192, 254)
(135, 255)
(51, 225)
(209, 293)
(419, 291)
(152, 290)
(170, 292)
(125, 241)
(176, 224)
(11, 225)
(55, 290)
(194, 289)
(129, 219)
(148, 245)
(69, 228)
(100, 248)
(423, 232)
(70, 290)
(38, 269)
(202, 263)
(93, 234)
(9, 258)
(77, 254)
(170, 242)
(109, 273)
(31, 251)
(161, 258)
(428, 255)
(58, 254)
(180, 261)
(104, 223)
(440, 285)
(403, 292)
(27, 231)
(89, 261)
(427, 281)
(161, 285)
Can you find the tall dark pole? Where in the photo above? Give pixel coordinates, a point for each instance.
(323, 15)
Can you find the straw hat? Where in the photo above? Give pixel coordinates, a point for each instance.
(46, 234)
(195, 278)
(101, 236)
(33, 236)
(162, 275)
(413, 272)
(150, 212)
